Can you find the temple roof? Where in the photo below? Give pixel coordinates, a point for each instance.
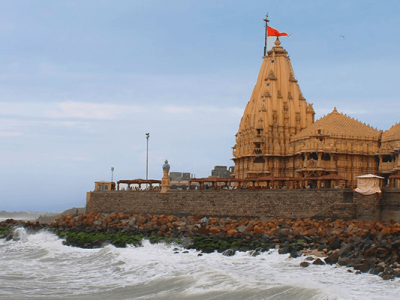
(339, 125)
(276, 96)
(392, 134)
(276, 101)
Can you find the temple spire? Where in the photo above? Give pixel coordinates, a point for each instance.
(266, 34)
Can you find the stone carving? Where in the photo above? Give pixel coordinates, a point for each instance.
(285, 106)
(291, 78)
(298, 119)
(275, 117)
(286, 118)
(267, 94)
(312, 163)
(271, 76)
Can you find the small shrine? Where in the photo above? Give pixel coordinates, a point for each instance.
(369, 184)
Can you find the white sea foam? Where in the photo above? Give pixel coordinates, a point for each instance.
(39, 265)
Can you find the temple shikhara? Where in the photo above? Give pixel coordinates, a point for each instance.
(279, 144)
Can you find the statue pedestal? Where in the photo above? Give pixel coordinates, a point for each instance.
(165, 181)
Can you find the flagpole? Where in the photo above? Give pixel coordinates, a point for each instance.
(266, 34)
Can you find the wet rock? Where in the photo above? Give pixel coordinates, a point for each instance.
(366, 266)
(318, 262)
(229, 252)
(255, 253)
(304, 264)
(332, 259)
(334, 245)
(344, 261)
(295, 254)
(387, 277)
(346, 249)
(309, 258)
(376, 270)
(284, 250)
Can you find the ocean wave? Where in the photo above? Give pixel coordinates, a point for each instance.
(39, 265)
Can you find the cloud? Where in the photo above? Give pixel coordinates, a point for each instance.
(66, 112)
(177, 110)
(10, 134)
(79, 159)
(83, 111)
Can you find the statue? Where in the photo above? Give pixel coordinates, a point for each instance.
(165, 182)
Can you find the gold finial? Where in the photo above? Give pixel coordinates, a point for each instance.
(277, 42)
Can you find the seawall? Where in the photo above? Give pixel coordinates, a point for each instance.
(324, 203)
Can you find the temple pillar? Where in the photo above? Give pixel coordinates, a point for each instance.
(319, 154)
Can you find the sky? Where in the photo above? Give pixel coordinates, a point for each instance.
(82, 82)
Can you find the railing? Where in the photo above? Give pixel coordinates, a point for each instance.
(386, 166)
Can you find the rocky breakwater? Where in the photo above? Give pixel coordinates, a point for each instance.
(361, 246)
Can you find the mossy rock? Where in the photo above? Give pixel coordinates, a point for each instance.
(4, 230)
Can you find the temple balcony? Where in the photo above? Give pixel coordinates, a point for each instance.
(321, 164)
(386, 167)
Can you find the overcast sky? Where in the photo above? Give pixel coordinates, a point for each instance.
(81, 82)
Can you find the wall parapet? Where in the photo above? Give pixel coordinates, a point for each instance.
(329, 203)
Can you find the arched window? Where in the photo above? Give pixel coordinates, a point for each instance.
(313, 156)
(259, 160)
(326, 156)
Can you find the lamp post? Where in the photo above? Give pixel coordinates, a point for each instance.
(147, 158)
(112, 173)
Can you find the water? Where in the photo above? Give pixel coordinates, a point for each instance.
(39, 266)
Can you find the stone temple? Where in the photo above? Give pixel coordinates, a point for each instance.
(279, 141)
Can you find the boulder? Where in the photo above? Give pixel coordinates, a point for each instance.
(332, 259)
(318, 262)
(284, 250)
(229, 252)
(242, 228)
(295, 254)
(304, 264)
(132, 222)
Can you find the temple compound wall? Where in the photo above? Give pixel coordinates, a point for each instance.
(327, 203)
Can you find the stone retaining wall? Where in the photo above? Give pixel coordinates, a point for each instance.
(327, 203)
(391, 204)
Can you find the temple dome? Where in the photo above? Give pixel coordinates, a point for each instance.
(338, 124)
(393, 134)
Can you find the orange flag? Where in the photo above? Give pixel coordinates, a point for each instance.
(274, 32)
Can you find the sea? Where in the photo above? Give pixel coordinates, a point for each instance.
(39, 266)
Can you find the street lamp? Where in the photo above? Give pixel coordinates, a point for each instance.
(147, 158)
(112, 173)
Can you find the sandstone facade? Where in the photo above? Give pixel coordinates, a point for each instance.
(278, 138)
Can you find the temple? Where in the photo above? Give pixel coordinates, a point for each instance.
(279, 144)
